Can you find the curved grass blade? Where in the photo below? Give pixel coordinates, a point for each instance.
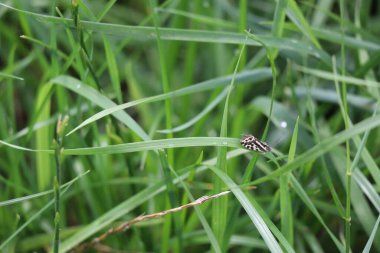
(5, 75)
(25, 149)
(144, 145)
(323, 147)
(253, 214)
(97, 98)
(157, 144)
(75, 85)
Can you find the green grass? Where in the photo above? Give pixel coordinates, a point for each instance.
(158, 95)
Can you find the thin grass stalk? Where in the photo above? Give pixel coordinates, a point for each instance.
(80, 36)
(271, 59)
(169, 160)
(165, 79)
(61, 123)
(347, 125)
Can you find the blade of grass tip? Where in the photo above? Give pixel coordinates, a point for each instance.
(220, 206)
(36, 215)
(25, 149)
(368, 245)
(259, 223)
(11, 76)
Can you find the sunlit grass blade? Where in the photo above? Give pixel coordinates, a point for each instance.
(145, 145)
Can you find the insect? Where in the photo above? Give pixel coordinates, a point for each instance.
(252, 143)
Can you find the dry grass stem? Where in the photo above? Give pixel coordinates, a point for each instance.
(125, 226)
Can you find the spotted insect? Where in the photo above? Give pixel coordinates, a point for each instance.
(252, 143)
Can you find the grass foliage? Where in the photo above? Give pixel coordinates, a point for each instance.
(158, 94)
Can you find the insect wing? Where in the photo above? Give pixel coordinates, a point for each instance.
(252, 143)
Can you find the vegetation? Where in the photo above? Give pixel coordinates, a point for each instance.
(122, 123)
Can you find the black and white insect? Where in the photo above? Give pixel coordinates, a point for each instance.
(252, 143)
